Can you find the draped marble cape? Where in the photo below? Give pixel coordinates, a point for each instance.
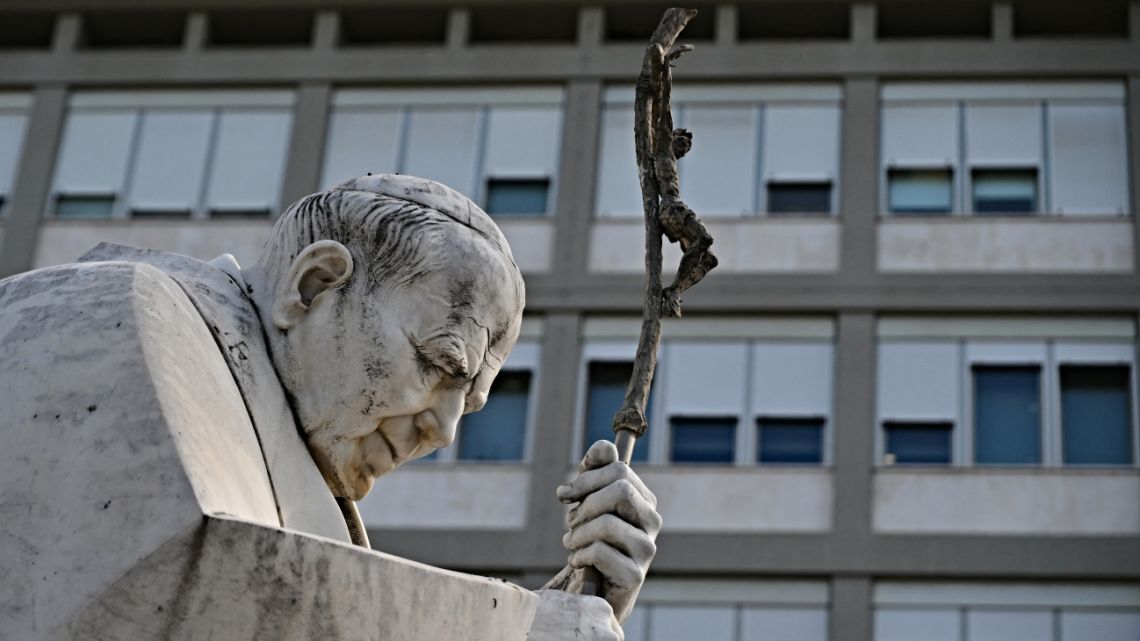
(154, 485)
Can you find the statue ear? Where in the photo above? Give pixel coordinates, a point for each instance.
(324, 265)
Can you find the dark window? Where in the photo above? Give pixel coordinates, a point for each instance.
(84, 205)
(128, 29)
(1089, 19)
(234, 212)
(1007, 414)
(703, 440)
(519, 23)
(26, 29)
(1004, 191)
(799, 198)
(959, 19)
(394, 25)
(636, 21)
(151, 212)
(919, 191)
(606, 385)
(920, 443)
(260, 28)
(517, 195)
(1096, 415)
(789, 440)
(794, 20)
(498, 431)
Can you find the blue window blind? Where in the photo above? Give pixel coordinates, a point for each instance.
(919, 191)
(517, 196)
(1096, 415)
(703, 440)
(799, 198)
(790, 440)
(1007, 415)
(921, 443)
(1004, 191)
(498, 431)
(606, 385)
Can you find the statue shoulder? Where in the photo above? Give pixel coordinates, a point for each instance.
(123, 426)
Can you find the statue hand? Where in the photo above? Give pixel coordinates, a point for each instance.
(613, 526)
(562, 616)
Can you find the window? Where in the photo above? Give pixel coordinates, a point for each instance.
(1096, 415)
(13, 120)
(756, 148)
(606, 384)
(703, 440)
(918, 443)
(498, 431)
(799, 198)
(1034, 398)
(1007, 415)
(790, 440)
(517, 196)
(920, 191)
(498, 145)
(172, 154)
(1008, 148)
(1004, 191)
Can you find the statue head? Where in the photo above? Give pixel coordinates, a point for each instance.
(390, 304)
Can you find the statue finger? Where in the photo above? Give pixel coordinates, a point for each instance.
(622, 499)
(600, 454)
(621, 573)
(615, 532)
(591, 481)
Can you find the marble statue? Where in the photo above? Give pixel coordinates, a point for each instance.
(183, 440)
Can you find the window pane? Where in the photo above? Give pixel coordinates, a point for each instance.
(703, 440)
(919, 443)
(996, 625)
(606, 391)
(1007, 413)
(94, 206)
(1005, 191)
(94, 152)
(780, 624)
(917, 625)
(517, 196)
(1100, 626)
(441, 146)
(1096, 415)
(498, 431)
(691, 623)
(799, 198)
(919, 191)
(790, 440)
(171, 162)
(249, 161)
(718, 176)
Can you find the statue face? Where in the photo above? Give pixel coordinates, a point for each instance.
(384, 375)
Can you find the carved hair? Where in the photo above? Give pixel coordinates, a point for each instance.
(383, 220)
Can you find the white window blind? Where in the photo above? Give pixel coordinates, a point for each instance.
(619, 194)
(171, 161)
(718, 176)
(94, 152)
(361, 141)
(801, 142)
(442, 146)
(1089, 159)
(249, 160)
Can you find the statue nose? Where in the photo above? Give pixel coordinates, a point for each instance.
(437, 424)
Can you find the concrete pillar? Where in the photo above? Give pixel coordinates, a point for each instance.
(574, 207)
(1133, 103)
(863, 26)
(591, 26)
(33, 179)
(458, 28)
(197, 32)
(854, 425)
(551, 453)
(726, 27)
(68, 33)
(851, 614)
(859, 177)
(326, 30)
(307, 142)
(1001, 19)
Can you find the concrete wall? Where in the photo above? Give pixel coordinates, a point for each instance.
(795, 245)
(427, 496)
(747, 500)
(1032, 501)
(1008, 245)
